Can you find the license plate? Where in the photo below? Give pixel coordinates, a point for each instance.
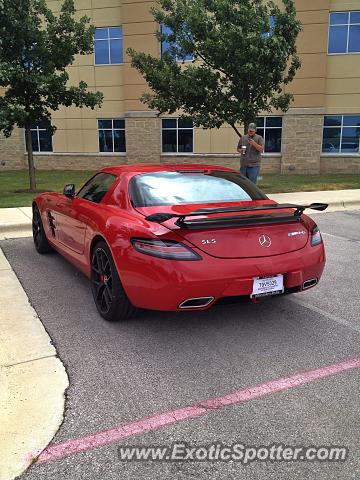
(268, 286)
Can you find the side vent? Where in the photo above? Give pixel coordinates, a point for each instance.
(52, 225)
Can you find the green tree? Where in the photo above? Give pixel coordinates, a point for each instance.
(244, 55)
(36, 46)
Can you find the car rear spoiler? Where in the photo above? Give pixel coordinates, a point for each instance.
(182, 219)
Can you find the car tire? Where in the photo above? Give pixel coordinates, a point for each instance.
(109, 295)
(39, 236)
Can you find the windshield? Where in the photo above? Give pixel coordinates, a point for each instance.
(176, 188)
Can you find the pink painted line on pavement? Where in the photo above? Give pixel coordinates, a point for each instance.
(200, 409)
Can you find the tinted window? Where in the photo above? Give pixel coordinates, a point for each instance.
(108, 46)
(273, 140)
(344, 32)
(338, 39)
(41, 136)
(339, 18)
(331, 140)
(269, 30)
(354, 38)
(95, 189)
(270, 128)
(332, 121)
(354, 17)
(341, 134)
(352, 120)
(350, 140)
(177, 135)
(170, 188)
(112, 135)
(176, 50)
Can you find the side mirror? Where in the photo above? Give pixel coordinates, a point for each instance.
(69, 190)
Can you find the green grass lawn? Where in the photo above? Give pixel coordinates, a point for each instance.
(308, 183)
(50, 180)
(54, 180)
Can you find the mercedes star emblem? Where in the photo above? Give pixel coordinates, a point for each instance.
(265, 241)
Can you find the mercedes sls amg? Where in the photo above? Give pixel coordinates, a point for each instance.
(178, 237)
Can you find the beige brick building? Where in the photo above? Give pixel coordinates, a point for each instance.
(320, 132)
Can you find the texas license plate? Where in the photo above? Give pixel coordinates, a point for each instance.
(268, 286)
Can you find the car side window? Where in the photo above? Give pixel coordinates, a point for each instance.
(96, 188)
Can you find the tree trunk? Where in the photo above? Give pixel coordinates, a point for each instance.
(236, 130)
(30, 158)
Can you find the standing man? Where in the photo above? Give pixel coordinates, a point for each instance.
(250, 146)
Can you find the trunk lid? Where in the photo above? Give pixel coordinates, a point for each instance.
(260, 240)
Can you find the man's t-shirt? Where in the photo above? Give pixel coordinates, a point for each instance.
(252, 157)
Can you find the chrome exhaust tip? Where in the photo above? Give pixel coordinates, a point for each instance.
(197, 302)
(309, 283)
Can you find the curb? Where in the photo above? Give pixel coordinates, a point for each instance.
(336, 207)
(337, 200)
(33, 379)
(15, 222)
(18, 227)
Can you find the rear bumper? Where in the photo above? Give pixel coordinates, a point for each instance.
(159, 284)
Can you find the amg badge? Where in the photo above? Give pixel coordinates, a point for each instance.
(293, 234)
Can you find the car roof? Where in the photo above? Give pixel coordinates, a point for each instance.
(158, 167)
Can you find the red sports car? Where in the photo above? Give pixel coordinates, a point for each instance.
(178, 237)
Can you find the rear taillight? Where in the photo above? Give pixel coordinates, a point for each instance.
(164, 249)
(315, 236)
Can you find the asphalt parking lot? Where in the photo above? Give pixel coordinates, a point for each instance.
(158, 362)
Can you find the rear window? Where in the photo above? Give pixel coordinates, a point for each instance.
(176, 188)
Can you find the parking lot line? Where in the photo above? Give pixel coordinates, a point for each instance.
(200, 409)
(340, 237)
(325, 314)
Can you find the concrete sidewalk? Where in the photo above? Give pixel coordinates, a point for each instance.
(16, 222)
(337, 199)
(33, 380)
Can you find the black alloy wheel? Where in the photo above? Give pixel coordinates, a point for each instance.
(110, 298)
(102, 281)
(40, 241)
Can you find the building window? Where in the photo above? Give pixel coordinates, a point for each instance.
(270, 128)
(270, 33)
(176, 52)
(341, 134)
(344, 32)
(177, 135)
(41, 136)
(108, 46)
(112, 135)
